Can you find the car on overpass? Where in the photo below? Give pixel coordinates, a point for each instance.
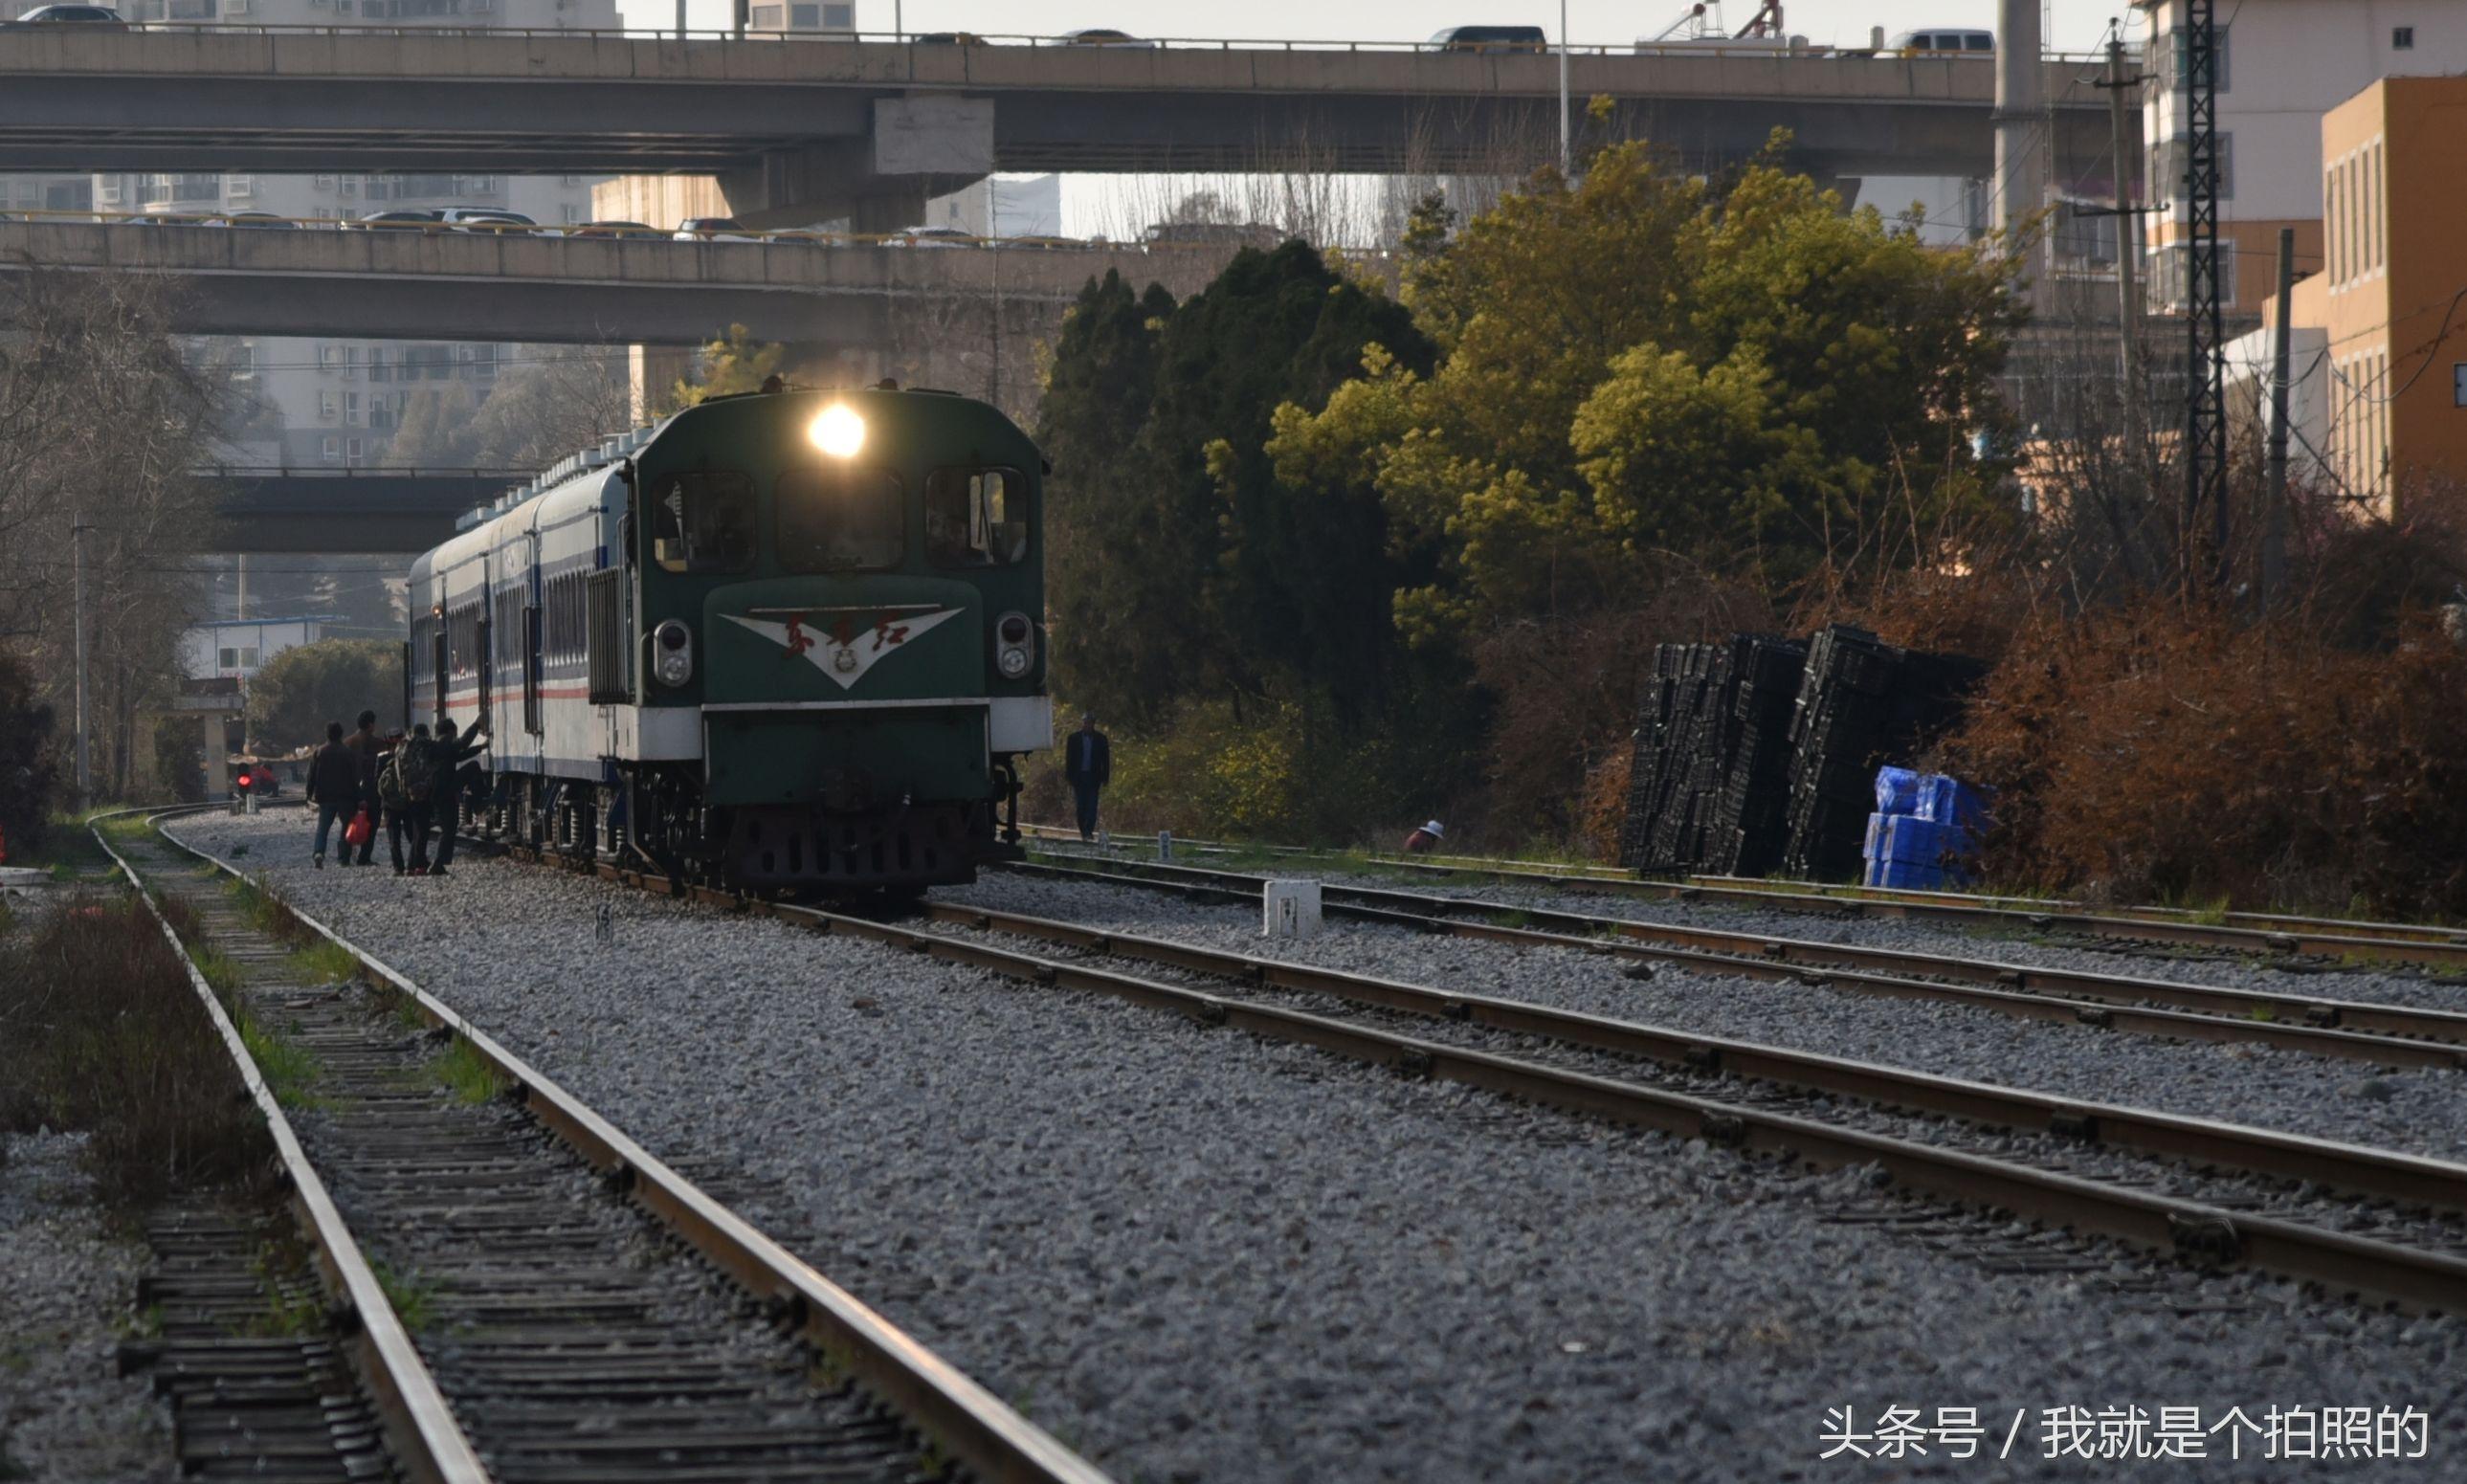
(1102, 35)
(617, 229)
(713, 229)
(1491, 39)
(930, 237)
(950, 38)
(68, 15)
(402, 218)
(494, 220)
(1942, 44)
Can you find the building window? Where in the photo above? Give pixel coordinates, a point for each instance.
(804, 17)
(764, 18)
(351, 451)
(322, 182)
(326, 405)
(332, 450)
(248, 659)
(839, 17)
(351, 409)
(2402, 38)
(2180, 66)
(227, 659)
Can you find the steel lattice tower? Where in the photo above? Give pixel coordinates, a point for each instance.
(2205, 410)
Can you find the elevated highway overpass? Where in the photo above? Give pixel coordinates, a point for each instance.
(567, 290)
(810, 128)
(268, 510)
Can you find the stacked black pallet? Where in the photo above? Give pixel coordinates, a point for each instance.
(1752, 824)
(1667, 713)
(1862, 703)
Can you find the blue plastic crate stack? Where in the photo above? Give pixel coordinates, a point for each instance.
(1924, 831)
(1761, 754)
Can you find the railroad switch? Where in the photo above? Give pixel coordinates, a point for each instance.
(2067, 1124)
(2213, 1237)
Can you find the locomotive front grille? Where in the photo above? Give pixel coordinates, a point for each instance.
(790, 846)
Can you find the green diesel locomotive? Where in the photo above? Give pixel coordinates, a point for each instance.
(784, 639)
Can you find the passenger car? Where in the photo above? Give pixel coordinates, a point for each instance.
(1941, 43)
(616, 229)
(102, 15)
(713, 229)
(1101, 35)
(1491, 38)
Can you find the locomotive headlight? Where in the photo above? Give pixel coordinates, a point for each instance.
(837, 431)
(1015, 645)
(672, 652)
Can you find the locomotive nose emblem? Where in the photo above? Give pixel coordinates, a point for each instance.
(846, 649)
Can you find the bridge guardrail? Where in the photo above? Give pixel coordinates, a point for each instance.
(1734, 48)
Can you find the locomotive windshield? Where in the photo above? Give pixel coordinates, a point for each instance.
(703, 522)
(842, 519)
(976, 517)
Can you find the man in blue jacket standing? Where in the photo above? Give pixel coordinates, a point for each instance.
(1087, 766)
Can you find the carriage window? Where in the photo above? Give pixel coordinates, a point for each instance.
(703, 523)
(841, 519)
(976, 517)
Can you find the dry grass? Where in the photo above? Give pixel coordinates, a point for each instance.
(100, 1032)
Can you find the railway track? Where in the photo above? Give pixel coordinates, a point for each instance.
(2385, 1226)
(531, 1296)
(2389, 1035)
(2256, 934)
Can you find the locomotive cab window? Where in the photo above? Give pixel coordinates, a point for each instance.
(976, 517)
(840, 518)
(703, 522)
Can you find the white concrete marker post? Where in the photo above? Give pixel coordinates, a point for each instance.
(1289, 910)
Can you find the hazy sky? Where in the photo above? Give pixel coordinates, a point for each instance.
(2077, 24)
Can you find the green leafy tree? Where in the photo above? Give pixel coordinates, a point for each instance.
(1099, 523)
(30, 781)
(180, 757)
(734, 362)
(300, 689)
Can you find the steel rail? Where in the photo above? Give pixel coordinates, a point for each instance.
(2388, 1035)
(2341, 1263)
(968, 1422)
(2355, 1168)
(2256, 932)
(427, 1441)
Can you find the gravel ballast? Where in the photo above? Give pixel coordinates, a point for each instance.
(66, 1291)
(2418, 1110)
(1198, 1255)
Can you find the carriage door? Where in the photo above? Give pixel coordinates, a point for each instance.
(437, 661)
(483, 655)
(531, 643)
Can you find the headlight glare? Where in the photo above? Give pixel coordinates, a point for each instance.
(838, 431)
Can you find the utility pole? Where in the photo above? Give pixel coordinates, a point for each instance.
(681, 20)
(2128, 220)
(993, 231)
(1567, 146)
(2273, 519)
(2206, 402)
(78, 528)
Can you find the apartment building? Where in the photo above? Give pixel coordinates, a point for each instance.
(2379, 373)
(2282, 64)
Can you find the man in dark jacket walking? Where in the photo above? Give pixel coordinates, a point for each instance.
(367, 751)
(1087, 766)
(334, 789)
(445, 795)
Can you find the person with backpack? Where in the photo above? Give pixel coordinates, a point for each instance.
(404, 784)
(445, 803)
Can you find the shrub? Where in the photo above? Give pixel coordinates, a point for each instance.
(2143, 752)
